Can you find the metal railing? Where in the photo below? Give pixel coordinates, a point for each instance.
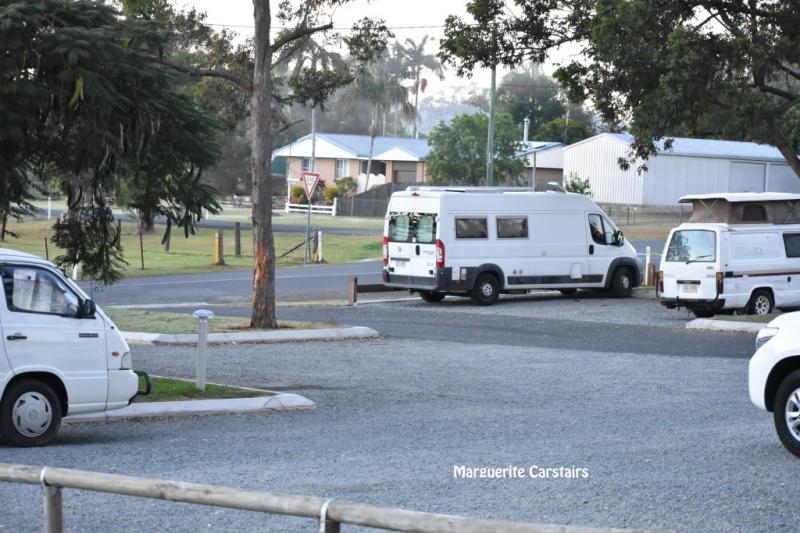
(331, 514)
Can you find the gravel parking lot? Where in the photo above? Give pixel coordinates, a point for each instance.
(669, 442)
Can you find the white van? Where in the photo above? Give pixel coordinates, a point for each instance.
(59, 355)
(479, 242)
(738, 252)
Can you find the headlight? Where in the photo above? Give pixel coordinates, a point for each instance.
(764, 335)
(127, 361)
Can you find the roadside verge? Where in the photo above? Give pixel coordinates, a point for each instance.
(355, 332)
(731, 326)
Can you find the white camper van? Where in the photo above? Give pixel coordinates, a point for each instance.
(59, 354)
(739, 251)
(480, 242)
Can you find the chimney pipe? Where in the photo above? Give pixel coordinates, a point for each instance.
(526, 127)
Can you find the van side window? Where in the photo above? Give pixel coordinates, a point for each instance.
(512, 227)
(34, 290)
(602, 231)
(472, 228)
(792, 243)
(754, 213)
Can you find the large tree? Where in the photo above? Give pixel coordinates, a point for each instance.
(705, 68)
(458, 150)
(415, 59)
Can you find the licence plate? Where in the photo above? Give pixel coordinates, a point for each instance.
(688, 288)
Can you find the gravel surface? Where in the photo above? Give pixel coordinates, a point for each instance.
(669, 442)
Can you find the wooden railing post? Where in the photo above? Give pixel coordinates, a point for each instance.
(237, 240)
(352, 291)
(219, 256)
(53, 509)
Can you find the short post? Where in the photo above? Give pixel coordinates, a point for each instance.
(319, 246)
(237, 239)
(201, 361)
(46, 250)
(635, 208)
(648, 281)
(651, 274)
(75, 272)
(49, 207)
(352, 291)
(333, 211)
(141, 247)
(219, 258)
(118, 237)
(53, 509)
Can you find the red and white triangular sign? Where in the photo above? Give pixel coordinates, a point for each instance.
(310, 182)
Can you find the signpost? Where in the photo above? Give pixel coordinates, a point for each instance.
(310, 181)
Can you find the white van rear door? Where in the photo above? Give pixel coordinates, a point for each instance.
(412, 243)
(41, 332)
(690, 265)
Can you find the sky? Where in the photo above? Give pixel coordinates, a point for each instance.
(407, 18)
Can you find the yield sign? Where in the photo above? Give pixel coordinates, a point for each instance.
(310, 181)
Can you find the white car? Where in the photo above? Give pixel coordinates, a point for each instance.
(59, 353)
(774, 377)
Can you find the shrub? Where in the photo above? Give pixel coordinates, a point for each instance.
(347, 186)
(576, 184)
(298, 194)
(330, 193)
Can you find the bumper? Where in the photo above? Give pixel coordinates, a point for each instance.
(122, 387)
(442, 281)
(757, 374)
(709, 305)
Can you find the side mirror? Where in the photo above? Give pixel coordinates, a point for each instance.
(87, 309)
(619, 237)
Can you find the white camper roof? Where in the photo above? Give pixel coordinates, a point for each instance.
(738, 197)
(8, 253)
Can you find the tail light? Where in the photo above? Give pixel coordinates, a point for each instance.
(439, 254)
(720, 282)
(385, 251)
(660, 281)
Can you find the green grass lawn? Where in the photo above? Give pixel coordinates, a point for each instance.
(173, 323)
(166, 389)
(196, 253)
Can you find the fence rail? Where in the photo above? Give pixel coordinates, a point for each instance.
(330, 513)
(315, 208)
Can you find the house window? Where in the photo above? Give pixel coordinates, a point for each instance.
(306, 164)
(471, 228)
(342, 169)
(377, 167)
(512, 227)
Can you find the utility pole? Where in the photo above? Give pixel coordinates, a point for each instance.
(490, 142)
(313, 169)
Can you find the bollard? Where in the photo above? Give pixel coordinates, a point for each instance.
(319, 246)
(648, 281)
(201, 360)
(352, 291)
(49, 207)
(219, 258)
(53, 509)
(237, 240)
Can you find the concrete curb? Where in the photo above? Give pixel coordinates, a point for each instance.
(355, 332)
(730, 326)
(648, 293)
(278, 402)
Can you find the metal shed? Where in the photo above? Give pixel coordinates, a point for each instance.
(692, 166)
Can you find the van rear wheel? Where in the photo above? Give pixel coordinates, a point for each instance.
(622, 283)
(760, 303)
(486, 290)
(432, 297)
(30, 414)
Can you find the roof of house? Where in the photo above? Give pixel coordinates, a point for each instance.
(357, 146)
(685, 146)
(537, 146)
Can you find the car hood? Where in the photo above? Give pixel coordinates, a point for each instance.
(786, 320)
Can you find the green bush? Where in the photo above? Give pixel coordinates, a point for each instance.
(298, 194)
(347, 186)
(330, 193)
(578, 185)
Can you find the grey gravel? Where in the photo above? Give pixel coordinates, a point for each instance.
(670, 442)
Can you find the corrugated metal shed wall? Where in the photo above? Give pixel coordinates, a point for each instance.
(781, 178)
(596, 159)
(671, 176)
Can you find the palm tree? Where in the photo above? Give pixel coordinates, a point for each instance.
(416, 59)
(379, 86)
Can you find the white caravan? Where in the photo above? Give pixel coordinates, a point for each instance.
(739, 251)
(59, 355)
(480, 242)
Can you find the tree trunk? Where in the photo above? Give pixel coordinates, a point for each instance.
(416, 100)
(146, 222)
(3, 222)
(789, 153)
(263, 313)
(372, 127)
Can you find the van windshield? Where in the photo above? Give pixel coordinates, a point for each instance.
(690, 246)
(412, 227)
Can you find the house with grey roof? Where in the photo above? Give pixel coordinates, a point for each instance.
(690, 166)
(394, 159)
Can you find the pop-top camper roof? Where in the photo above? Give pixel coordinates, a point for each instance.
(745, 208)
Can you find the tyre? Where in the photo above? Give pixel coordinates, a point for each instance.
(30, 414)
(432, 297)
(703, 313)
(486, 290)
(786, 412)
(622, 283)
(568, 292)
(761, 303)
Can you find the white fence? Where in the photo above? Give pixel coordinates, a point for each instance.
(320, 209)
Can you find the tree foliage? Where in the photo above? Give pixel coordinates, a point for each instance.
(458, 150)
(703, 68)
(559, 129)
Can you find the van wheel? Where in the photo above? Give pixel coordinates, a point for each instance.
(568, 292)
(622, 283)
(786, 412)
(760, 303)
(432, 297)
(30, 414)
(486, 290)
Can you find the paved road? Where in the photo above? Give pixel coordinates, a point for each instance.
(665, 430)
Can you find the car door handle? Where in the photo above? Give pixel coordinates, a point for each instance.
(591, 249)
(17, 337)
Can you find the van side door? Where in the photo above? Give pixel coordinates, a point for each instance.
(42, 332)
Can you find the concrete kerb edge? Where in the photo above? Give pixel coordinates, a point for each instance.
(190, 339)
(707, 324)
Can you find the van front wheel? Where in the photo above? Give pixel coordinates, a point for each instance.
(622, 283)
(30, 414)
(486, 290)
(432, 297)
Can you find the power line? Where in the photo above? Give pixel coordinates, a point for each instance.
(251, 26)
